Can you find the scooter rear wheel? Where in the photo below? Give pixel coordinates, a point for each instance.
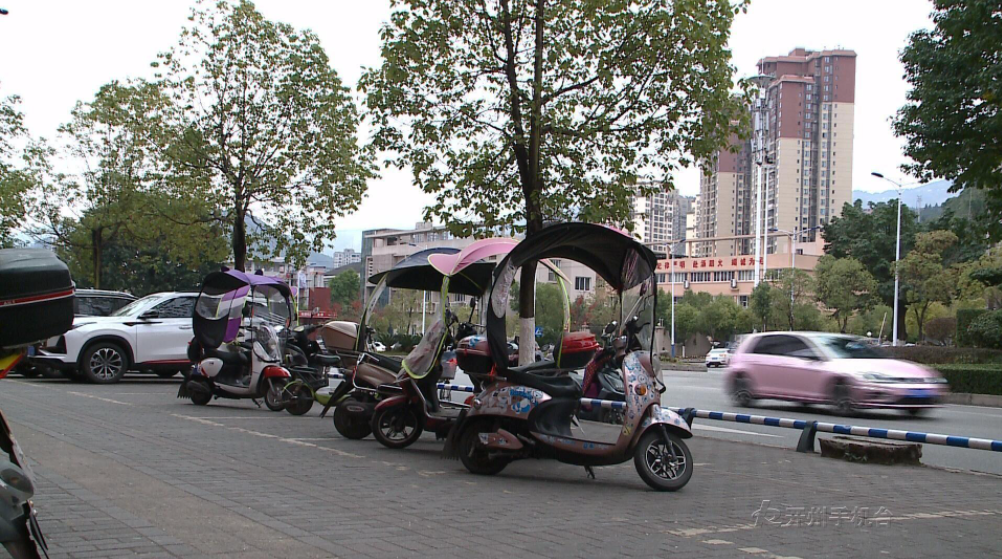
(476, 459)
(301, 399)
(348, 425)
(663, 466)
(396, 427)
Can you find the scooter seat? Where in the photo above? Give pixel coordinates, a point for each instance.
(385, 362)
(327, 360)
(228, 357)
(557, 386)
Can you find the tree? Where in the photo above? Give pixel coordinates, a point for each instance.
(952, 121)
(844, 286)
(686, 323)
(345, 288)
(18, 175)
(517, 112)
(868, 235)
(799, 284)
(719, 319)
(263, 122)
(119, 194)
(762, 299)
(924, 278)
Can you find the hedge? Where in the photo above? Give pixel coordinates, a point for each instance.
(964, 319)
(973, 379)
(940, 355)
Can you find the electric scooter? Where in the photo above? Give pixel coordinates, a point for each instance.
(236, 350)
(530, 412)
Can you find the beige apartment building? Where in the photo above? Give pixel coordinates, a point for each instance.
(800, 150)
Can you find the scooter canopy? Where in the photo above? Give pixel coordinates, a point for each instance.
(219, 309)
(621, 261)
(417, 272)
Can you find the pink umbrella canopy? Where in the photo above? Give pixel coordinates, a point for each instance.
(452, 264)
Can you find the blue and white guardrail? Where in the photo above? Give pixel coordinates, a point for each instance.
(809, 427)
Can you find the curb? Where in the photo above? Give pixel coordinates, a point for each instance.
(964, 399)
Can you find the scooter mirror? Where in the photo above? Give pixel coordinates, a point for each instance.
(611, 327)
(473, 302)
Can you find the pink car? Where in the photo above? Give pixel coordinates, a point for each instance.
(842, 370)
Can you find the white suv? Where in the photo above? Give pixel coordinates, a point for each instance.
(150, 334)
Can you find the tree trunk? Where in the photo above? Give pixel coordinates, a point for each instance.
(95, 247)
(239, 240)
(902, 320)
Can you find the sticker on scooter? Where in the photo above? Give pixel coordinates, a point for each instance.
(522, 400)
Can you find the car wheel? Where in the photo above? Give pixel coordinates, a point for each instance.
(916, 412)
(842, 399)
(741, 392)
(104, 363)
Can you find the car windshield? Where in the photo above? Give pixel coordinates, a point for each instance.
(133, 307)
(844, 347)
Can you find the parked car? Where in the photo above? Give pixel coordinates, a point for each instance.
(717, 357)
(379, 346)
(149, 334)
(98, 302)
(836, 369)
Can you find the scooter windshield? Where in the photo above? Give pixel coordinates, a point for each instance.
(266, 344)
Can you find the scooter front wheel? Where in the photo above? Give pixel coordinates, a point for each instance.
(396, 427)
(275, 398)
(663, 465)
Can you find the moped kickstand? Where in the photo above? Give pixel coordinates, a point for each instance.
(256, 402)
(591, 472)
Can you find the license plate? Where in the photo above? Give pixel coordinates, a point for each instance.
(921, 393)
(31, 351)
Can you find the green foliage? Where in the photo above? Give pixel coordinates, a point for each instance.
(951, 122)
(595, 311)
(686, 322)
(941, 329)
(924, 279)
(932, 355)
(966, 318)
(973, 379)
(986, 330)
(549, 312)
(513, 113)
(968, 217)
(844, 286)
(345, 288)
(15, 179)
(762, 299)
(868, 235)
(871, 320)
(259, 119)
(723, 318)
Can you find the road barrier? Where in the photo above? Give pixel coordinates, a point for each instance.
(809, 428)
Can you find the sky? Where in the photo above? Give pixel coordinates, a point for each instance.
(54, 53)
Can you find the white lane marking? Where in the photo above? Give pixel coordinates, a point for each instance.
(287, 440)
(718, 542)
(735, 431)
(109, 400)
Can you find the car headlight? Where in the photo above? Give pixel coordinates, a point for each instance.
(936, 380)
(878, 378)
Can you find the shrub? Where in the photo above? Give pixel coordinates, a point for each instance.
(986, 330)
(964, 319)
(973, 379)
(931, 355)
(941, 329)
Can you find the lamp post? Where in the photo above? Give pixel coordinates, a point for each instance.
(897, 257)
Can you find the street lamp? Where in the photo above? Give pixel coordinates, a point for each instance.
(762, 216)
(897, 256)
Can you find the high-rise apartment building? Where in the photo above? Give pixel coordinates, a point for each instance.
(659, 219)
(800, 152)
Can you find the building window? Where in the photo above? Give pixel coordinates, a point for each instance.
(583, 284)
(743, 300)
(746, 275)
(699, 277)
(723, 276)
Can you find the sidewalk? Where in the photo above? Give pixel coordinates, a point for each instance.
(145, 475)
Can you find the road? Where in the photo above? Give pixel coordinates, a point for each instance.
(131, 471)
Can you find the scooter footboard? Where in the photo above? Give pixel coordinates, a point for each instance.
(656, 415)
